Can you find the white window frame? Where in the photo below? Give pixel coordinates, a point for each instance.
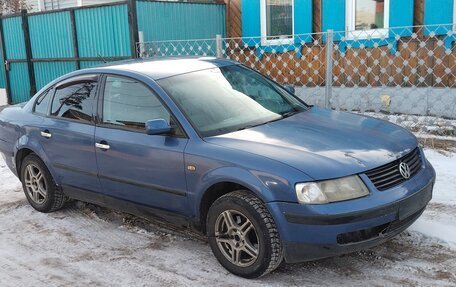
(264, 37)
(454, 15)
(350, 20)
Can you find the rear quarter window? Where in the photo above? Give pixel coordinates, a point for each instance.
(42, 103)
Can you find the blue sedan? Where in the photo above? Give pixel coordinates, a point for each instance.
(212, 145)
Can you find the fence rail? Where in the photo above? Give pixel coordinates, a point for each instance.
(404, 70)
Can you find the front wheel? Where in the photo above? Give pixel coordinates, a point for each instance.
(243, 235)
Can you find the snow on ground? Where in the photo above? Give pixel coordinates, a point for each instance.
(438, 220)
(84, 244)
(421, 126)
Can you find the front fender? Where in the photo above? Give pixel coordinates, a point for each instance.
(269, 180)
(231, 174)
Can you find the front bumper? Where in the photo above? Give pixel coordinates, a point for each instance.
(318, 231)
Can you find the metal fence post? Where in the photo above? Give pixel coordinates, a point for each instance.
(218, 44)
(28, 52)
(74, 35)
(329, 66)
(133, 23)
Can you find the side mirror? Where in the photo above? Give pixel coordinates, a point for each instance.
(289, 88)
(158, 127)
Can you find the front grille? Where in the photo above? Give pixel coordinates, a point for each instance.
(388, 175)
(362, 235)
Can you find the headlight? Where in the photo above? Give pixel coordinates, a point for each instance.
(331, 190)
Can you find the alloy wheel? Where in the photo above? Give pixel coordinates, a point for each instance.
(35, 184)
(237, 238)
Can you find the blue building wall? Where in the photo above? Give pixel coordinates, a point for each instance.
(401, 15)
(438, 12)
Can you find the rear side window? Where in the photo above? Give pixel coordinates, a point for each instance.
(75, 101)
(42, 103)
(128, 103)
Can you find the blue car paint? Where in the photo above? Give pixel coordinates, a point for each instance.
(338, 143)
(69, 151)
(155, 163)
(268, 160)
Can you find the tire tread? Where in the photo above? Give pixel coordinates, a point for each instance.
(258, 205)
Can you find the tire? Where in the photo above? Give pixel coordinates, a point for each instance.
(236, 243)
(39, 187)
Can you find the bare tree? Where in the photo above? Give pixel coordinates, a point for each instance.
(12, 6)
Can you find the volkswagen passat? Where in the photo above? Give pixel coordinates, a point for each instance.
(212, 145)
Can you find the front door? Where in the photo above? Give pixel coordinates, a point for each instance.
(133, 166)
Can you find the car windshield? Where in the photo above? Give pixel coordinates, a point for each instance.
(226, 99)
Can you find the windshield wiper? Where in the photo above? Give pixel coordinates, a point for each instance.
(246, 127)
(288, 114)
(282, 116)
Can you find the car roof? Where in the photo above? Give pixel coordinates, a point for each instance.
(164, 67)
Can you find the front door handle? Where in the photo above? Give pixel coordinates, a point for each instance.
(102, 145)
(46, 134)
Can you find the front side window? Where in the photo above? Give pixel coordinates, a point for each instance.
(367, 18)
(42, 103)
(277, 22)
(222, 100)
(130, 104)
(75, 101)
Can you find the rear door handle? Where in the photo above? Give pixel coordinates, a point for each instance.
(46, 134)
(102, 145)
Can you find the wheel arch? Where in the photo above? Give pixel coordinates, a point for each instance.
(21, 154)
(25, 147)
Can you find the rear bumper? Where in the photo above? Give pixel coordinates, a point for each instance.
(315, 232)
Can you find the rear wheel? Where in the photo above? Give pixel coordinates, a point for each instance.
(39, 187)
(243, 235)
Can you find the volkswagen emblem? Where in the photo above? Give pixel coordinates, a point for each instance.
(404, 169)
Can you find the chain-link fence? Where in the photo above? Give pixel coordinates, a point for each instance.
(406, 71)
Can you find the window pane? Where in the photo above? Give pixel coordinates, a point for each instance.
(42, 103)
(279, 18)
(75, 102)
(131, 104)
(370, 14)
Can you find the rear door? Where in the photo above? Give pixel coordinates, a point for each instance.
(133, 166)
(67, 133)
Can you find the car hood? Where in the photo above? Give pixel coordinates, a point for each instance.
(323, 143)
